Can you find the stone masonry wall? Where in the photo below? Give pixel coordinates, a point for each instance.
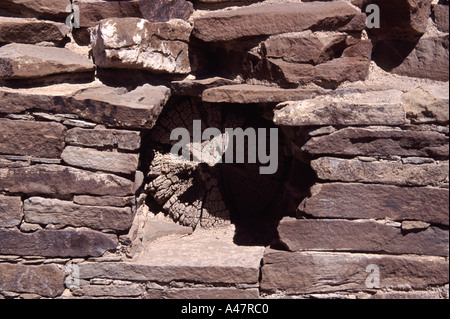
(92, 205)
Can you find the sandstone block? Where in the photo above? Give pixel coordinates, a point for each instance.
(351, 200)
(360, 236)
(393, 173)
(44, 211)
(114, 107)
(44, 9)
(113, 201)
(59, 180)
(56, 243)
(400, 19)
(370, 108)
(138, 44)
(309, 272)
(196, 87)
(246, 94)
(203, 293)
(441, 16)
(40, 139)
(10, 211)
(99, 160)
(427, 104)
(23, 61)
(429, 59)
(163, 10)
(373, 142)
(276, 19)
(120, 291)
(93, 11)
(121, 139)
(44, 280)
(26, 30)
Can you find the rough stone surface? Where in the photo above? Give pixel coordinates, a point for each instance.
(118, 291)
(101, 161)
(40, 139)
(392, 173)
(163, 10)
(56, 243)
(246, 94)
(44, 280)
(429, 59)
(139, 108)
(197, 87)
(364, 141)
(11, 212)
(58, 180)
(205, 258)
(19, 61)
(26, 30)
(427, 104)
(324, 58)
(35, 8)
(309, 272)
(277, 19)
(360, 236)
(113, 201)
(115, 107)
(372, 108)
(203, 293)
(349, 200)
(400, 19)
(39, 210)
(93, 11)
(441, 16)
(138, 44)
(101, 138)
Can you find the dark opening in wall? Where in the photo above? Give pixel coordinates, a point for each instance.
(210, 194)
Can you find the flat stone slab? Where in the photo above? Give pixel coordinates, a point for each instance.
(276, 19)
(369, 108)
(57, 243)
(393, 173)
(11, 212)
(44, 280)
(54, 180)
(247, 94)
(93, 11)
(114, 107)
(133, 43)
(25, 61)
(360, 236)
(45, 9)
(310, 272)
(89, 158)
(380, 142)
(38, 210)
(353, 200)
(32, 138)
(26, 30)
(196, 87)
(205, 257)
(122, 139)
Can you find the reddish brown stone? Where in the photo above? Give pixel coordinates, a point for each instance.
(40, 139)
(165, 10)
(56, 243)
(59, 180)
(311, 272)
(92, 11)
(351, 200)
(361, 141)
(360, 236)
(43, 280)
(277, 19)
